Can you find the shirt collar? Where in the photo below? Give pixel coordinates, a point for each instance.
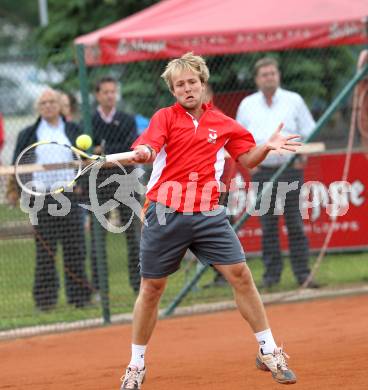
(106, 118)
(275, 97)
(180, 108)
(44, 123)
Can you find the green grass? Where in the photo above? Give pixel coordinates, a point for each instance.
(336, 270)
(17, 259)
(11, 214)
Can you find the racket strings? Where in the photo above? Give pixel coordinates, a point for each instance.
(46, 168)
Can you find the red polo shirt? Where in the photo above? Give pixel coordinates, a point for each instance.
(190, 156)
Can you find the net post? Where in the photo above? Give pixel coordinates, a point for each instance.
(83, 83)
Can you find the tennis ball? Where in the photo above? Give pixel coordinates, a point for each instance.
(83, 142)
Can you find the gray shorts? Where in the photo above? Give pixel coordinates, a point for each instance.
(210, 237)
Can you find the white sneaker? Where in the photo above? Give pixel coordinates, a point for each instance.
(133, 378)
(276, 363)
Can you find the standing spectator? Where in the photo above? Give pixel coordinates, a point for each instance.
(260, 113)
(70, 112)
(113, 132)
(68, 229)
(69, 107)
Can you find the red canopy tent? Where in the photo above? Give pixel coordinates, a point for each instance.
(173, 27)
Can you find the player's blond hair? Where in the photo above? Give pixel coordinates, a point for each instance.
(190, 62)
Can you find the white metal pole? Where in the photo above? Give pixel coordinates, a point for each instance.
(42, 8)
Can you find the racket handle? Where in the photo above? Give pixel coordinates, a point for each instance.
(126, 157)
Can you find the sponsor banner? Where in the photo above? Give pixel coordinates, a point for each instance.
(323, 195)
(130, 46)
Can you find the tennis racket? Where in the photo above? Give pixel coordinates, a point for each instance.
(46, 168)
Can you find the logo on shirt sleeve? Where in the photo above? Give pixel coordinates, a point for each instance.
(212, 136)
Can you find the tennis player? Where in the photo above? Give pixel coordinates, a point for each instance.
(187, 143)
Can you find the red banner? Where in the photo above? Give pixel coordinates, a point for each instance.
(322, 195)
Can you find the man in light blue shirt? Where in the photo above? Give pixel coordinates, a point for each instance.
(261, 113)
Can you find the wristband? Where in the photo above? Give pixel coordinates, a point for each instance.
(150, 150)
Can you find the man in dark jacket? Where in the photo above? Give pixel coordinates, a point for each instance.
(68, 229)
(113, 132)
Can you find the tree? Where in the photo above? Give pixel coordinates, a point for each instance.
(70, 18)
(26, 14)
(15, 25)
(317, 74)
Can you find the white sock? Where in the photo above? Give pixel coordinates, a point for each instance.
(266, 341)
(137, 359)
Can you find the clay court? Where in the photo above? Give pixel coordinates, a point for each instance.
(327, 341)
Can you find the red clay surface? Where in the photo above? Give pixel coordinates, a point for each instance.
(327, 341)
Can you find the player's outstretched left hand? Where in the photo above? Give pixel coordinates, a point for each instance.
(278, 142)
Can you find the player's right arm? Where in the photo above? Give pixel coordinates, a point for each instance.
(144, 154)
(149, 144)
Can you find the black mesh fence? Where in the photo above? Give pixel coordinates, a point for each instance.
(69, 268)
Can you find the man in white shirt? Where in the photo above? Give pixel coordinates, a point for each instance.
(261, 113)
(68, 229)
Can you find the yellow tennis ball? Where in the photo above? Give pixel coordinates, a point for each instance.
(83, 142)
